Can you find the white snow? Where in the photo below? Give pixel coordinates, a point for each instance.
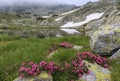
(70, 31)
(46, 16)
(58, 19)
(88, 18)
(70, 11)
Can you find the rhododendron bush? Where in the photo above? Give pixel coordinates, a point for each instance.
(94, 58)
(66, 45)
(77, 68)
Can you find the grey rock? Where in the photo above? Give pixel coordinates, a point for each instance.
(97, 73)
(106, 40)
(36, 33)
(42, 77)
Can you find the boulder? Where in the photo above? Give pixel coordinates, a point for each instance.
(42, 77)
(106, 40)
(116, 55)
(97, 73)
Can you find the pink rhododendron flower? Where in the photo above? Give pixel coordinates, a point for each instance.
(31, 63)
(21, 75)
(76, 68)
(66, 45)
(43, 63)
(67, 66)
(22, 69)
(79, 75)
(106, 65)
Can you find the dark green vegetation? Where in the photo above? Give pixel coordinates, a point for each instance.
(14, 50)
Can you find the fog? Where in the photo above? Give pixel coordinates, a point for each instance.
(48, 2)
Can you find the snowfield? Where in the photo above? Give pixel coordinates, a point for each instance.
(46, 16)
(70, 31)
(88, 19)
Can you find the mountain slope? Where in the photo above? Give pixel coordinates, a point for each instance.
(37, 8)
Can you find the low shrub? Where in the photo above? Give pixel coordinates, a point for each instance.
(65, 71)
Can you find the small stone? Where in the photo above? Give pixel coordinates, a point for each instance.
(51, 54)
(77, 48)
(58, 35)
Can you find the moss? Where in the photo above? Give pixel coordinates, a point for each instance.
(108, 47)
(99, 74)
(107, 40)
(105, 30)
(117, 40)
(117, 30)
(44, 75)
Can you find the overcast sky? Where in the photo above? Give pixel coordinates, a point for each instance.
(76, 2)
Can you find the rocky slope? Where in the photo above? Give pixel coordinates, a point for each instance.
(102, 17)
(104, 31)
(83, 11)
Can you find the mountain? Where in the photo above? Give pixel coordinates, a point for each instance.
(36, 8)
(85, 19)
(89, 8)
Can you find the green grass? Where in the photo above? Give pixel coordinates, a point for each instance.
(115, 64)
(14, 50)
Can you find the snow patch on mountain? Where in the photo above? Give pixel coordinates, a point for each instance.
(88, 19)
(70, 31)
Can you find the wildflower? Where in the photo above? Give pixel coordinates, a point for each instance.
(74, 63)
(43, 63)
(22, 69)
(79, 75)
(21, 75)
(66, 45)
(106, 65)
(31, 63)
(23, 64)
(67, 66)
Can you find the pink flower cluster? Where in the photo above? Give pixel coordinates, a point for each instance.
(94, 58)
(78, 67)
(101, 61)
(33, 69)
(75, 69)
(66, 45)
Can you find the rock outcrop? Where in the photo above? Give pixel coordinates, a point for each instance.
(37, 33)
(89, 8)
(97, 73)
(42, 77)
(106, 40)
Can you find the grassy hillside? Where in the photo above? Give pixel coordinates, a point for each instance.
(4, 15)
(15, 50)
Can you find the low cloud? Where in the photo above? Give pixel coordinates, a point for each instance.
(48, 2)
